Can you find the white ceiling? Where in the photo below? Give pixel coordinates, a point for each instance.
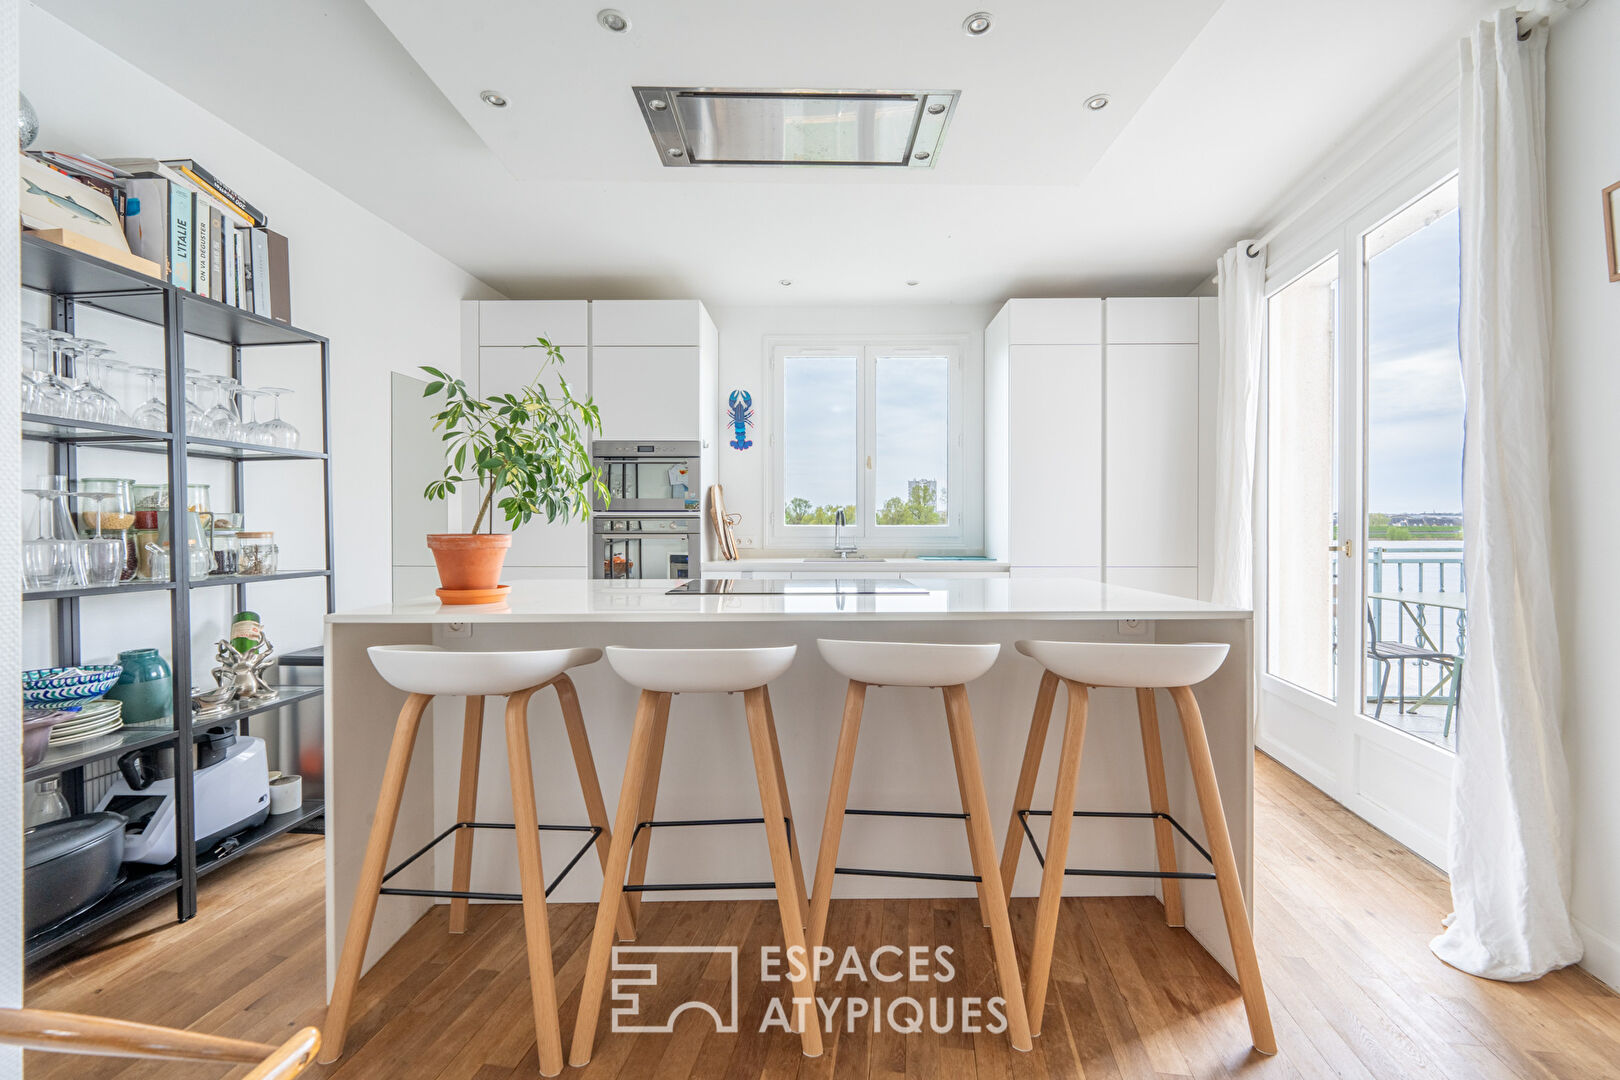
(1218, 107)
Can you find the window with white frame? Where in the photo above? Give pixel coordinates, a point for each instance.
(873, 429)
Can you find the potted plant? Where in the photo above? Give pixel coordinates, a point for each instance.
(524, 454)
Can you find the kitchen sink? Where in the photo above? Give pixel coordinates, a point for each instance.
(858, 560)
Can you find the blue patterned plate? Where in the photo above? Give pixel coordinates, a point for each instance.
(68, 685)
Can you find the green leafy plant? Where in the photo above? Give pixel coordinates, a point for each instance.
(527, 448)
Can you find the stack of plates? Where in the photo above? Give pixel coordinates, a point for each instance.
(93, 720)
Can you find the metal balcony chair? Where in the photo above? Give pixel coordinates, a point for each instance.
(71, 1033)
(1397, 653)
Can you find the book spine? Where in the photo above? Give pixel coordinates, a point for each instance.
(180, 238)
(261, 272)
(280, 277)
(227, 242)
(210, 183)
(202, 238)
(216, 254)
(244, 294)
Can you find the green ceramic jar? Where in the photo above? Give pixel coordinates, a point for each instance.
(146, 687)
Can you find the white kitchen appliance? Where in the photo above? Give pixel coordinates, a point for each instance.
(232, 795)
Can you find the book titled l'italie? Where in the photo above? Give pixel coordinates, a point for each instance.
(180, 236)
(209, 183)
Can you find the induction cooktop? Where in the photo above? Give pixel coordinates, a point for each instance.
(819, 587)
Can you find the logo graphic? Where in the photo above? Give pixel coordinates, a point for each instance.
(628, 974)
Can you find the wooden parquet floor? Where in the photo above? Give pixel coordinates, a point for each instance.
(1343, 917)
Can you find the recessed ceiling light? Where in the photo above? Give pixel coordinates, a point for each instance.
(977, 24)
(491, 98)
(922, 155)
(676, 151)
(657, 104)
(785, 281)
(911, 283)
(1097, 101)
(611, 19)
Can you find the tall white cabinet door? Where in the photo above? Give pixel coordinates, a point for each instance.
(1054, 322)
(645, 322)
(647, 393)
(1153, 320)
(1152, 488)
(1054, 435)
(519, 322)
(540, 543)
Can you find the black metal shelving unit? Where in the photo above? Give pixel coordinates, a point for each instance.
(70, 279)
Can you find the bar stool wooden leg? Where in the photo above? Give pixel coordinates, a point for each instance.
(1158, 797)
(787, 811)
(536, 927)
(965, 747)
(624, 826)
(641, 844)
(585, 765)
(1057, 851)
(372, 869)
(1033, 749)
(832, 826)
(805, 1016)
(1226, 875)
(987, 881)
(472, 738)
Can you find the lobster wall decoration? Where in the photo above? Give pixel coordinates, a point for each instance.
(741, 412)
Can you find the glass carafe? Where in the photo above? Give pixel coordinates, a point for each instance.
(46, 803)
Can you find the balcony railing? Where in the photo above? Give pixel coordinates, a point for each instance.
(1415, 597)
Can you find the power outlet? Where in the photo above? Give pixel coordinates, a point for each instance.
(1133, 628)
(458, 629)
(745, 541)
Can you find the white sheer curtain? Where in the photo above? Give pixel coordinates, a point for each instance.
(1510, 844)
(1241, 281)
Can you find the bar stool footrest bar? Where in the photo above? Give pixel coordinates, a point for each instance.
(1040, 857)
(913, 874)
(451, 894)
(697, 886)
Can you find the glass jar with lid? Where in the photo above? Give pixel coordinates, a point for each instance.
(114, 517)
(258, 553)
(225, 543)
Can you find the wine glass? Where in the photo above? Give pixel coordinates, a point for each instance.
(100, 558)
(52, 560)
(252, 429)
(220, 420)
(196, 387)
(50, 394)
(279, 432)
(90, 401)
(153, 413)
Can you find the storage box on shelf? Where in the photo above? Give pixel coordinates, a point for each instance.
(70, 280)
(1098, 438)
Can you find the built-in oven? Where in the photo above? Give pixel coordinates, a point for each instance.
(648, 477)
(651, 546)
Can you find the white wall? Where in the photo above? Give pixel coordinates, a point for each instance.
(745, 365)
(1583, 138)
(386, 302)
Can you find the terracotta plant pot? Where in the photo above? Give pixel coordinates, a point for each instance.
(469, 562)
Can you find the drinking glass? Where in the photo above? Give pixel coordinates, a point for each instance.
(48, 564)
(90, 401)
(278, 431)
(52, 559)
(114, 516)
(220, 420)
(196, 395)
(59, 390)
(48, 396)
(153, 413)
(248, 406)
(100, 557)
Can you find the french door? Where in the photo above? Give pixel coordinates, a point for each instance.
(1360, 603)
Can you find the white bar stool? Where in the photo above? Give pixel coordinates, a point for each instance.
(950, 667)
(659, 674)
(1080, 666)
(424, 672)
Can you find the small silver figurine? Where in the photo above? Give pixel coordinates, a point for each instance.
(241, 670)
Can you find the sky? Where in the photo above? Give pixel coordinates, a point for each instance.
(1415, 397)
(821, 398)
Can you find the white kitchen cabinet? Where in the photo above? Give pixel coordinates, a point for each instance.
(844, 575)
(1152, 474)
(1153, 320)
(519, 322)
(1054, 322)
(1054, 470)
(540, 543)
(646, 322)
(1175, 580)
(647, 392)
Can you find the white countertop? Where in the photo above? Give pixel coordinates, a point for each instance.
(948, 597)
(854, 566)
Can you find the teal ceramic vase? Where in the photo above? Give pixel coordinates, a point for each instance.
(146, 687)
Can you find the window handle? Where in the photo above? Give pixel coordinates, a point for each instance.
(1343, 548)
(868, 462)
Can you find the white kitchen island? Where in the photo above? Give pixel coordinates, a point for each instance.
(905, 759)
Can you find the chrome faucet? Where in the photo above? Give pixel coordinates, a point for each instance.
(840, 548)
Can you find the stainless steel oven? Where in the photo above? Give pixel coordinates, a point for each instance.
(648, 477)
(653, 546)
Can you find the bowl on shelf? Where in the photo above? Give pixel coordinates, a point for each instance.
(37, 724)
(68, 685)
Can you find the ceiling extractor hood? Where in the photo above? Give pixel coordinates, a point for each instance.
(698, 125)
